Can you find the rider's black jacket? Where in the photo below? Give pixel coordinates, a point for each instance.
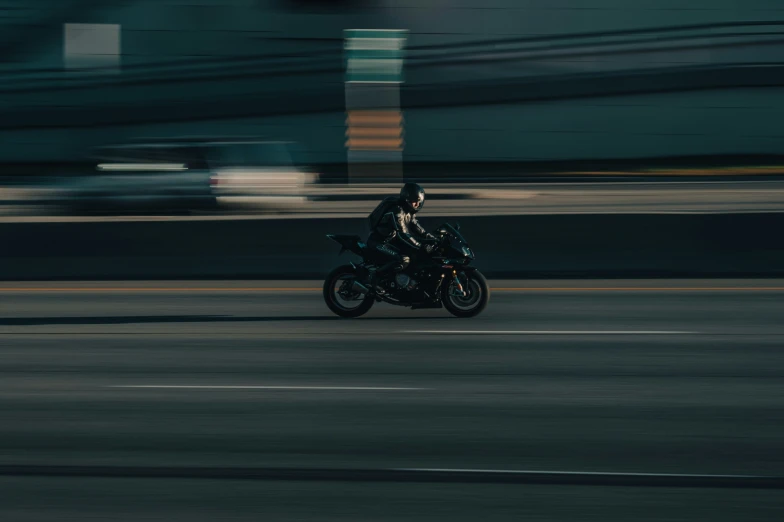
(399, 224)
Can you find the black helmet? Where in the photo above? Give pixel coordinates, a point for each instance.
(412, 196)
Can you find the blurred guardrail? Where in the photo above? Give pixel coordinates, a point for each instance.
(70, 197)
(184, 201)
(701, 167)
(594, 245)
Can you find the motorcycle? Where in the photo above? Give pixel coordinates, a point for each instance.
(443, 278)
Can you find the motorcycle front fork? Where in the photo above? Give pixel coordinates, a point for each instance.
(459, 289)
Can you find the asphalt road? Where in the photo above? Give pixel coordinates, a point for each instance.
(103, 385)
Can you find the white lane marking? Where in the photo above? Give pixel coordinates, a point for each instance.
(249, 387)
(575, 473)
(548, 332)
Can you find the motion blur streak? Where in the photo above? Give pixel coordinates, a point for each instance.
(140, 166)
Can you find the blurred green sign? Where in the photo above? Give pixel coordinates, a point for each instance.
(375, 55)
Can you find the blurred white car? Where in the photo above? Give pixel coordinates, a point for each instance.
(257, 174)
(192, 174)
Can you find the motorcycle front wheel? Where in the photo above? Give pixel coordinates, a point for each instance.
(342, 297)
(473, 299)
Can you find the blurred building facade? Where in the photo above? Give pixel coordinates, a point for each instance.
(489, 80)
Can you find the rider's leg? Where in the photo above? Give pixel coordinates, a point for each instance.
(396, 265)
(395, 262)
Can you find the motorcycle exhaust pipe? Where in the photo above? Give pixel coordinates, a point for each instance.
(359, 287)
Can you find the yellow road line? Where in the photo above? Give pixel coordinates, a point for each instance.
(314, 289)
(162, 289)
(645, 289)
(721, 171)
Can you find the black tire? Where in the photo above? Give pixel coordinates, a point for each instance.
(475, 282)
(332, 301)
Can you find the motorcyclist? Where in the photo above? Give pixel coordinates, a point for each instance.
(396, 234)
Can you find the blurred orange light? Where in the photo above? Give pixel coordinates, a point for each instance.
(380, 130)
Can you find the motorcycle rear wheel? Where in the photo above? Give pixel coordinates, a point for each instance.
(337, 287)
